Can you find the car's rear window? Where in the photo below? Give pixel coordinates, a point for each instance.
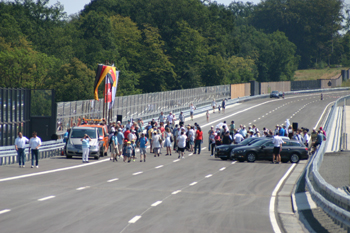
(79, 133)
(290, 143)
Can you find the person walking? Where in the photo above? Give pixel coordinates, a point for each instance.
(181, 119)
(175, 130)
(232, 128)
(156, 143)
(192, 108)
(238, 138)
(20, 144)
(212, 142)
(161, 118)
(214, 105)
(35, 143)
(223, 105)
(120, 137)
(207, 114)
(210, 132)
(143, 144)
(85, 147)
(115, 147)
(167, 143)
(181, 142)
(170, 119)
(277, 148)
(199, 140)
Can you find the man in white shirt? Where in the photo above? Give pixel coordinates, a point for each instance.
(238, 138)
(192, 108)
(277, 148)
(170, 119)
(20, 144)
(181, 143)
(306, 138)
(35, 143)
(181, 119)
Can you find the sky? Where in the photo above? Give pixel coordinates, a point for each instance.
(74, 6)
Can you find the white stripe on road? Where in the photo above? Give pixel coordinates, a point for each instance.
(112, 180)
(4, 211)
(156, 203)
(223, 168)
(190, 154)
(52, 171)
(176, 160)
(234, 162)
(159, 166)
(210, 175)
(135, 219)
(193, 183)
(46, 198)
(204, 148)
(273, 218)
(176, 192)
(82, 188)
(137, 173)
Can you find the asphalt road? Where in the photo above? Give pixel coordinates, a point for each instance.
(195, 194)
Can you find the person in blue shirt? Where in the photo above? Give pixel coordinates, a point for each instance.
(114, 147)
(143, 144)
(128, 151)
(85, 147)
(120, 139)
(282, 131)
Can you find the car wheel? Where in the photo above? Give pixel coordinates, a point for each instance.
(97, 157)
(241, 160)
(294, 158)
(251, 157)
(68, 156)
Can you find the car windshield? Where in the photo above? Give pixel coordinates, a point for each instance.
(100, 131)
(246, 141)
(274, 92)
(79, 133)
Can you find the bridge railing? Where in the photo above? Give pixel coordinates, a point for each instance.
(334, 202)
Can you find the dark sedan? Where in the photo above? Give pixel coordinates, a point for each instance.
(274, 94)
(224, 151)
(292, 151)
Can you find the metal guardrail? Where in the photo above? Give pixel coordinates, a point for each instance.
(8, 154)
(334, 202)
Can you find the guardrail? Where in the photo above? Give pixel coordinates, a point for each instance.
(335, 203)
(8, 154)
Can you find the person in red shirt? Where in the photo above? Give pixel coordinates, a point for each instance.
(198, 140)
(126, 133)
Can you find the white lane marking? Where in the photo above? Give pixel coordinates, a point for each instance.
(159, 166)
(263, 116)
(259, 118)
(46, 198)
(176, 192)
(324, 111)
(193, 183)
(52, 171)
(82, 188)
(210, 175)
(111, 180)
(4, 211)
(136, 173)
(234, 162)
(273, 219)
(254, 121)
(135, 219)
(204, 148)
(190, 154)
(223, 168)
(156, 203)
(176, 160)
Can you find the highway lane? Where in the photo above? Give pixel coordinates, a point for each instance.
(227, 200)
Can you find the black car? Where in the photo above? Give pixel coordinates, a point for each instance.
(292, 151)
(224, 151)
(274, 94)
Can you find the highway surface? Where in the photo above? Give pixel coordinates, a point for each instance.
(165, 194)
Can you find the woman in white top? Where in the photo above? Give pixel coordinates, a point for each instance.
(156, 144)
(167, 143)
(214, 105)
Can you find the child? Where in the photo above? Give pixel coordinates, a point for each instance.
(207, 115)
(133, 145)
(219, 107)
(128, 150)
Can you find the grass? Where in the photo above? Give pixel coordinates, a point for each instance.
(313, 74)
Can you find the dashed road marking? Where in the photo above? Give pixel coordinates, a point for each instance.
(111, 180)
(190, 154)
(4, 211)
(156, 203)
(46, 198)
(135, 219)
(137, 173)
(82, 188)
(193, 183)
(159, 166)
(176, 160)
(176, 192)
(207, 176)
(223, 168)
(204, 148)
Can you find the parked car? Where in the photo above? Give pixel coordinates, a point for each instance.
(103, 136)
(274, 94)
(224, 151)
(280, 94)
(292, 151)
(74, 144)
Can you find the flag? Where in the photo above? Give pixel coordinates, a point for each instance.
(108, 72)
(114, 89)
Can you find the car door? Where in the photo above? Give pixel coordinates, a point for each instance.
(267, 151)
(286, 150)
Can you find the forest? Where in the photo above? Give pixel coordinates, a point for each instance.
(161, 45)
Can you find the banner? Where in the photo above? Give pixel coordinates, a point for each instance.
(108, 72)
(114, 89)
